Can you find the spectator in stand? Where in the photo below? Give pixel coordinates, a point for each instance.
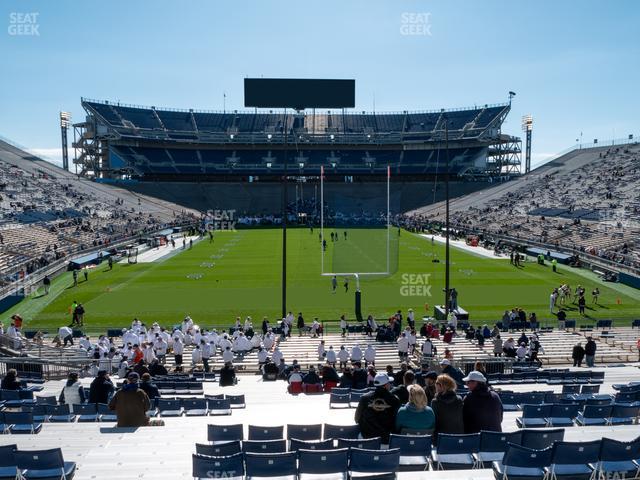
(227, 375)
(497, 346)
(346, 379)
(131, 404)
(482, 408)
(430, 386)
(343, 356)
(370, 356)
(401, 391)
(376, 411)
(330, 377)
(451, 371)
(311, 378)
(416, 413)
(590, 352)
(156, 369)
(73, 392)
(149, 387)
(10, 380)
(447, 407)
(359, 377)
(577, 354)
(66, 335)
(331, 356)
(101, 388)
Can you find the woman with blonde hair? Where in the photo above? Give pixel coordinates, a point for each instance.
(447, 406)
(415, 414)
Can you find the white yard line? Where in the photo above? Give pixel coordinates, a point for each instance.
(483, 252)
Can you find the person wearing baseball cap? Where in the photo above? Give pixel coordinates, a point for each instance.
(376, 411)
(482, 408)
(131, 403)
(453, 372)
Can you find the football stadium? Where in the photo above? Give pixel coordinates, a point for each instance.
(232, 247)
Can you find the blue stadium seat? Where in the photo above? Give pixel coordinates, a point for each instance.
(619, 459)
(8, 465)
(455, 451)
(374, 443)
(39, 412)
(20, 422)
(297, 444)
(374, 463)
(59, 413)
(264, 446)
(323, 464)
(594, 415)
(257, 432)
(195, 407)
(573, 460)
(624, 414)
(540, 439)
(225, 433)
(522, 463)
(86, 412)
(493, 445)
(236, 401)
(268, 465)
(169, 407)
(341, 431)
(229, 467)
(534, 416)
(414, 450)
(43, 464)
(106, 415)
(219, 406)
(339, 400)
(563, 415)
(219, 449)
(304, 432)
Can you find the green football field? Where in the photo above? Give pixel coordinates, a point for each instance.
(239, 275)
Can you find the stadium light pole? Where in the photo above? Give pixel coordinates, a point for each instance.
(284, 218)
(446, 220)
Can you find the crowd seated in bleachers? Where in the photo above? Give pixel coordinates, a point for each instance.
(591, 209)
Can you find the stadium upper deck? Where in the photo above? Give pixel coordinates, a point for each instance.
(152, 142)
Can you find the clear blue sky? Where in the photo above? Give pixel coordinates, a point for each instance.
(573, 64)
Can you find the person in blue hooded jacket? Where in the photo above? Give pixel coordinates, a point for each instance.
(415, 414)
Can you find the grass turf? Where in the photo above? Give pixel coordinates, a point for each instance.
(245, 280)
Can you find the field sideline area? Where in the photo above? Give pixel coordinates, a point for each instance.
(239, 274)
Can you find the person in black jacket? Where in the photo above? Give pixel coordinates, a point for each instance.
(359, 377)
(447, 406)
(453, 372)
(101, 388)
(227, 375)
(590, 351)
(148, 387)
(482, 408)
(10, 380)
(157, 369)
(578, 355)
(376, 411)
(401, 391)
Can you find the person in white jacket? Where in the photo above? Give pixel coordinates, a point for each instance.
(403, 346)
(343, 356)
(356, 354)
(178, 349)
(370, 355)
(331, 356)
(196, 356)
(73, 392)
